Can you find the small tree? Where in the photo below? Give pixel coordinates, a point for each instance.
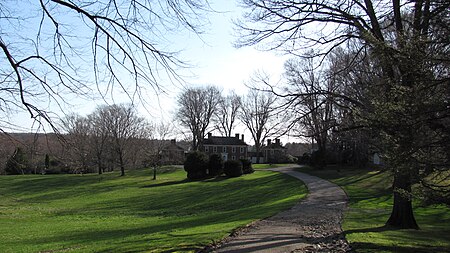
(47, 162)
(196, 165)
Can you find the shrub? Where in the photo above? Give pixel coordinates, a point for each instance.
(196, 165)
(56, 166)
(304, 159)
(318, 159)
(215, 165)
(247, 166)
(233, 168)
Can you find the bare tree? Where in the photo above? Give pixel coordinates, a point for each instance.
(196, 110)
(53, 50)
(78, 130)
(258, 114)
(154, 154)
(99, 135)
(409, 44)
(312, 115)
(123, 126)
(227, 112)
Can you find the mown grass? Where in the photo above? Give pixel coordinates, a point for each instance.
(370, 204)
(108, 213)
(259, 166)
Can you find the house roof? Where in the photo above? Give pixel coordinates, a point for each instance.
(276, 144)
(223, 141)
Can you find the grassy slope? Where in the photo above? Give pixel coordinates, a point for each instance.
(267, 166)
(370, 206)
(108, 213)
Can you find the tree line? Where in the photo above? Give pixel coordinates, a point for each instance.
(112, 136)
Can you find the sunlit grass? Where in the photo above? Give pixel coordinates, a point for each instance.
(260, 166)
(108, 213)
(370, 206)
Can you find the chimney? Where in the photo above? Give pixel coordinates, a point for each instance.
(242, 137)
(209, 135)
(173, 141)
(277, 141)
(269, 141)
(236, 136)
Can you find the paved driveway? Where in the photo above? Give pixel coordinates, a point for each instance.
(313, 225)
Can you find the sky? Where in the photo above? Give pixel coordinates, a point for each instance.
(214, 61)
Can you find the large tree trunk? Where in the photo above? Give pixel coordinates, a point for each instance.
(99, 163)
(122, 167)
(402, 215)
(258, 149)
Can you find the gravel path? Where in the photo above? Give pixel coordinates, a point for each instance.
(313, 225)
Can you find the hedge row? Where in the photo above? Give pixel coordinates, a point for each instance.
(199, 166)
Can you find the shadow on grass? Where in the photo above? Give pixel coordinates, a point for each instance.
(186, 180)
(126, 239)
(352, 175)
(110, 219)
(372, 247)
(371, 230)
(167, 183)
(192, 198)
(215, 179)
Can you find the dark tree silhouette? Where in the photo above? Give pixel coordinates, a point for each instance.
(259, 115)
(227, 112)
(196, 108)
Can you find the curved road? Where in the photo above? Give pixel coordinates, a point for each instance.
(312, 225)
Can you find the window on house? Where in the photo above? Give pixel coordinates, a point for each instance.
(206, 149)
(215, 149)
(241, 157)
(242, 149)
(271, 151)
(224, 149)
(233, 149)
(233, 157)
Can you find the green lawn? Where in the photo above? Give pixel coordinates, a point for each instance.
(259, 166)
(370, 206)
(108, 213)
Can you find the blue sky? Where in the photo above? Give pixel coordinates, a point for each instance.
(214, 61)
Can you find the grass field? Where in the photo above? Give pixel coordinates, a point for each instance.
(108, 213)
(370, 206)
(259, 166)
